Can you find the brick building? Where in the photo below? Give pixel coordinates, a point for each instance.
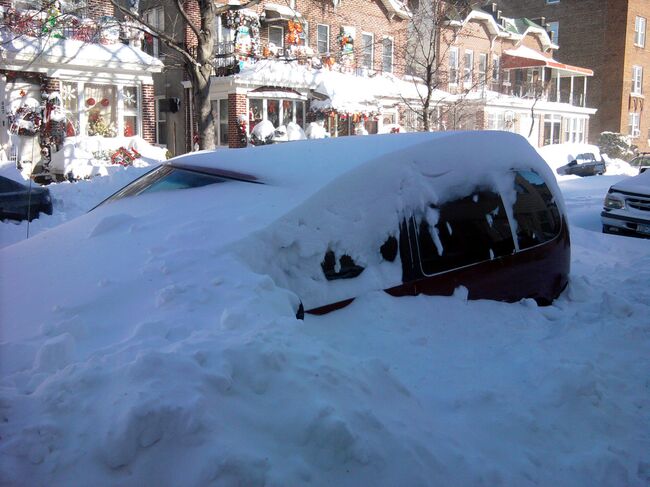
(343, 62)
(501, 73)
(70, 69)
(610, 37)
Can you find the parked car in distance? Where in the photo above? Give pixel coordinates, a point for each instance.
(626, 210)
(404, 213)
(641, 162)
(20, 202)
(586, 164)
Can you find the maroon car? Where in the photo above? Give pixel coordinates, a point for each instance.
(409, 214)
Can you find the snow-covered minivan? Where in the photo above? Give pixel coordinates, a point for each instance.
(408, 214)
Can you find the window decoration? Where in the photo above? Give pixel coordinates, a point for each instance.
(124, 156)
(294, 33)
(247, 31)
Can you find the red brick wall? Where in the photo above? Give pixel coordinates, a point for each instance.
(99, 8)
(236, 107)
(193, 12)
(148, 114)
(51, 84)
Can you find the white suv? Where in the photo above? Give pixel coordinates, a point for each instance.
(626, 210)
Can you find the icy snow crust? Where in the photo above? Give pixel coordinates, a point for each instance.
(135, 351)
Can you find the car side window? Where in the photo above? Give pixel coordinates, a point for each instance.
(535, 210)
(469, 230)
(346, 268)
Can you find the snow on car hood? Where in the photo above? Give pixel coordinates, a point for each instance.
(637, 184)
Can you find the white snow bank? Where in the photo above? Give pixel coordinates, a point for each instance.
(150, 359)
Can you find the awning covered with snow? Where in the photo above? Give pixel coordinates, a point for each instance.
(525, 57)
(274, 11)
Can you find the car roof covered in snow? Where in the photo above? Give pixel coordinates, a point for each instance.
(314, 163)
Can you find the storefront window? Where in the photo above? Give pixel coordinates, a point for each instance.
(101, 110)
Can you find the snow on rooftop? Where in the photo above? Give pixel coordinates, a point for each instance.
(345, 92)
(70, 52)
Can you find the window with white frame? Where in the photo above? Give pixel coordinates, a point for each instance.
(367, 50)
(496, 62)
(468, 68)
(304, 36)
(387, 55)
(482, 68)
(574, 129)
(278, 111)
(131, 103)
(156, 18)
(553, 29)
(276, 36)
(639, 31)
(161, 122)
(637, 80)
(323, 39)
(220, 121)
(453, 65)
(634, 124)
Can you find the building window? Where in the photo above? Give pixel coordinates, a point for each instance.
(453, 65)
(552, 125)
(482, 68)
(130, 99)
(277, 111)
(639, 31)
(367, 50)
(220, 120)
(495, 68)
(70, 99)
(387, 55)
(634, 124)
(323, 39)
(161, 123)
(154, 17)
(468, 68)
(553, 29)
(101, 110)
(304, 36)
(637, 80)
(276, 36)
(501, 121)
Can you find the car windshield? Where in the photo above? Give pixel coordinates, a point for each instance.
(166, 178)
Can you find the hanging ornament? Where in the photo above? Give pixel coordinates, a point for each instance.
(105, 102)
(90, 102)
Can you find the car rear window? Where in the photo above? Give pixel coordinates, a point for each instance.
(166, 178)
(535, 210)
(469, 230)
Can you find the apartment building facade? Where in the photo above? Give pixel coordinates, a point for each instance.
(343, 63)
(610, 36)
(68, 69)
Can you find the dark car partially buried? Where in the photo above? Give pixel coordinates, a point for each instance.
(20, 202)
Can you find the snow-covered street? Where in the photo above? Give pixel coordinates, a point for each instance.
(134, 380)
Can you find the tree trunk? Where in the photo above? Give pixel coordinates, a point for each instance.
(203, 110)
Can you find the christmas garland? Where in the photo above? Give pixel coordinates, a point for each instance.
(124, 156)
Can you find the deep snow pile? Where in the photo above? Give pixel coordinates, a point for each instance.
(172, 364)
